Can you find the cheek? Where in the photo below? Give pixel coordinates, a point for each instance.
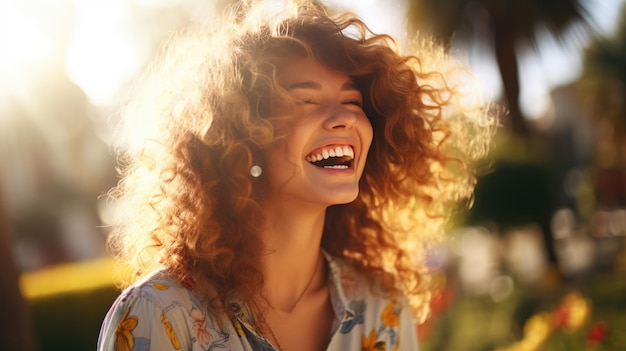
(284, 158)
(367, 133)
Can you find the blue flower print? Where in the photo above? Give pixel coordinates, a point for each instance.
(354, 316)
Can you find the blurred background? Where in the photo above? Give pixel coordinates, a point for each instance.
(539, 263)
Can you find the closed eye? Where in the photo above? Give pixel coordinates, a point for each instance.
(353, 102)
(306, 101)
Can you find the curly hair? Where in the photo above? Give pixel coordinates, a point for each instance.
(200, 118)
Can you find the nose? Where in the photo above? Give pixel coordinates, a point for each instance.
(340, 117)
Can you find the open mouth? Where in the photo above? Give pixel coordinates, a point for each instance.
(332, 156)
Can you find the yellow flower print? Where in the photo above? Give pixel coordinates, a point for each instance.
(369, 343)
(124, 339)
(238, 327)
(390, 315)
(160, 286)
(170, 332)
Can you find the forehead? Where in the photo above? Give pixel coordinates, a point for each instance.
(297, 70)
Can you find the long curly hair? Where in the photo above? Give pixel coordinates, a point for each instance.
(199, 118)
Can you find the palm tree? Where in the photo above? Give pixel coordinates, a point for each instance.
(511, 22)
(603, 88)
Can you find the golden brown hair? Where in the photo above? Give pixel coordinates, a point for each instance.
(187, 202)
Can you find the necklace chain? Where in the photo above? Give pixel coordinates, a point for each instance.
(293, 307)
(306, 288)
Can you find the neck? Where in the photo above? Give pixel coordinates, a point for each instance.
(291, 266)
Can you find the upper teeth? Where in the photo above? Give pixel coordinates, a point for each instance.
(333, 151)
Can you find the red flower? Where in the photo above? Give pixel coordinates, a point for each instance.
(573, 312)
(561, 316)
(597, 333)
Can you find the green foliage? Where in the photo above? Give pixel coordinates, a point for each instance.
(71, 321)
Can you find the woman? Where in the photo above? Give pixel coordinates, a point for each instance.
(289, 169)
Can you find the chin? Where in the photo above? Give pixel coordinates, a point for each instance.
(344, 198)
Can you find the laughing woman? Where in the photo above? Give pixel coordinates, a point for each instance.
(282, 174)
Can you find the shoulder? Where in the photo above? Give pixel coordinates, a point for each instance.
(158, 294)
(159, 310)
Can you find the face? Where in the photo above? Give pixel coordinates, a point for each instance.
(323, 156)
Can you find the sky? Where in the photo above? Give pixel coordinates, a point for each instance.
(102, 55)
(557, 65)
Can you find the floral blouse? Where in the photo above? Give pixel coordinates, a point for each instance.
(161, 314)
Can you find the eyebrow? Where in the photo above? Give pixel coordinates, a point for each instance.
(349, 85)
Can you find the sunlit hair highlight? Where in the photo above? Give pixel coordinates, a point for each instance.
(187, 203)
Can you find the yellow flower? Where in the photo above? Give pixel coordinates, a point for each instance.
(369, 343)
(536, 332)
(390, 316)
(537, 329)
(579, 311)
(571, 315)
(170, 332)
(124, 339)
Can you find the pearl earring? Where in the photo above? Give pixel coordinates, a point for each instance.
(256, 171)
